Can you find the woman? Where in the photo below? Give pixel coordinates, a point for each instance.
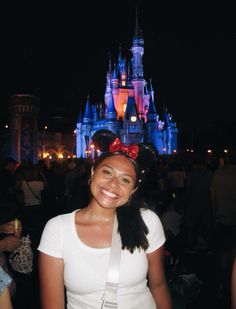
(5, 281)
(75, 247)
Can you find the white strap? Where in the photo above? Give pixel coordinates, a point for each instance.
(109, 299)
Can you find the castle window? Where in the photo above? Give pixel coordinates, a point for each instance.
(123, 80)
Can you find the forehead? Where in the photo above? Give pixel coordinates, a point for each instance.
(121, 163)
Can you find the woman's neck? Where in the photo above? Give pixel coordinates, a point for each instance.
(99, 214)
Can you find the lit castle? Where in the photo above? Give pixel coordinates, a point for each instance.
(129, 109)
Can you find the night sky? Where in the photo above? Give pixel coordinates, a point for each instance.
(58, 50)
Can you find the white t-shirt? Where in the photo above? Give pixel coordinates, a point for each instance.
(86, 268)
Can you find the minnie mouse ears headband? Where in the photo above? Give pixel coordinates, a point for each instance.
(130, 150)
(145, 153)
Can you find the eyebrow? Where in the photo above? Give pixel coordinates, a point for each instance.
(127, 175)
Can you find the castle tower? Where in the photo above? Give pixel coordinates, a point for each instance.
(24, 111)
(137, 69)
(108, 91)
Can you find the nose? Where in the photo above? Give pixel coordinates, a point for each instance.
(114, 182)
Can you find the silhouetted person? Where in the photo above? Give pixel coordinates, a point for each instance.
(223, 190)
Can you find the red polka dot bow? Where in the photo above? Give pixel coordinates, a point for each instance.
(130, 150)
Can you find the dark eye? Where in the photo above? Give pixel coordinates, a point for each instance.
(125, 180)
(105, 171)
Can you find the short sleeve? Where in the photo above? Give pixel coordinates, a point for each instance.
(5, 280)
(52, 238)
(156, 237)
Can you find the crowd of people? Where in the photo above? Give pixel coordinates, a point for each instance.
(172, 206)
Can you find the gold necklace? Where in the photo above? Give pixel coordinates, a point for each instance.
(100, 219)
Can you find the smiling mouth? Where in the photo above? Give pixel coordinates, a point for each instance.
(108, 193)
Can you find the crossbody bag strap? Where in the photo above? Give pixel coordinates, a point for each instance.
(33, 191)
(109, 299)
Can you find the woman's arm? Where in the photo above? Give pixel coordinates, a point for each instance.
(5, 299)
(51, 274)
(156, 279)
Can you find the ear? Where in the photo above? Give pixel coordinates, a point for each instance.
(135, 189)
(92, 172)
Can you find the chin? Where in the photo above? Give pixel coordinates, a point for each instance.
(110, 205)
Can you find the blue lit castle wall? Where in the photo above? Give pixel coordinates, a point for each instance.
(129, 109)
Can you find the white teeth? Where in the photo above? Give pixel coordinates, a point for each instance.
(110, 194)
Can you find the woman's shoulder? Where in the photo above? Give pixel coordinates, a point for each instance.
(62, 218)
(150, 217)
(148, 213)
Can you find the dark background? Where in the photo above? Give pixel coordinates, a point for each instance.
(58, 50)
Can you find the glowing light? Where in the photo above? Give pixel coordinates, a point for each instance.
(174, 151)
(74, 131)
(45, 155)
(191, 150)
(133, 118)
(92, 146)
(45, 127)
(187, 150)
(225, 150)
(50, 157)
(74, 156)
(209, 151)
(6, 126)
(60, 156)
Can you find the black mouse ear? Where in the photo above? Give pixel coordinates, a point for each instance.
(102, 139)
(147, 156)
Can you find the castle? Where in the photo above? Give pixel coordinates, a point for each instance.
(129, 109)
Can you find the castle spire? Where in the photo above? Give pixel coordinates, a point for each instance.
(136, 29)
(137, 51)
(138, 38)
(131, 109)
(151, 90)
(88, 114)
(109, 66)
(152, 113)
(110, 110)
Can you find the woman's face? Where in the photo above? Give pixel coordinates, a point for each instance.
(113, 182)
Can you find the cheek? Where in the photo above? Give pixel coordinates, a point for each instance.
(128, 193)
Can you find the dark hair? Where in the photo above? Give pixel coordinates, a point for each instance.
(132, 228)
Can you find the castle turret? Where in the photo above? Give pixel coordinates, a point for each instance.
(115, 80)
(111, 113)
(167, 133)
(152, 113)
(88, 114)
(87, 126)
(24, 110)
(108, 82)
(79, 136)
